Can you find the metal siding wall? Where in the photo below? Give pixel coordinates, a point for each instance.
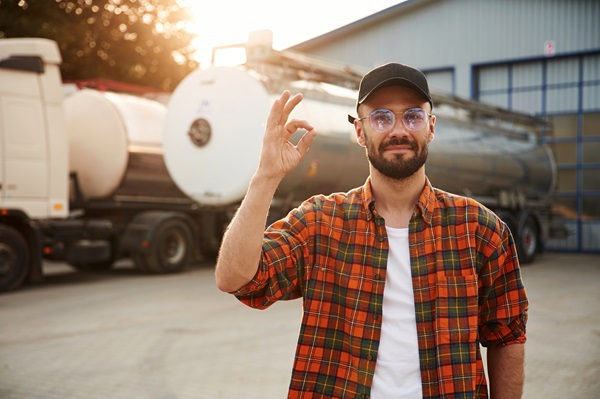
(466, 32)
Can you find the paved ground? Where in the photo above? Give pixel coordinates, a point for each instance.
(123, 335)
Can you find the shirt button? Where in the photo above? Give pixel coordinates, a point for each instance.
(375, 316)
(380, 238)
(378, 277)
(369, 357)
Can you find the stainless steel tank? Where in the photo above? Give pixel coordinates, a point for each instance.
(216, 120)
(471, 158)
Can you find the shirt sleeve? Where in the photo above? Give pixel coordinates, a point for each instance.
(281, 268)
(503, 304)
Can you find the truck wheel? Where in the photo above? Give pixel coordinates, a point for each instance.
(14, 259)
(509, 219)
(170, 248)
(528, 239)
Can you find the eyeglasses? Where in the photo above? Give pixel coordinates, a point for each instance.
(384, 120)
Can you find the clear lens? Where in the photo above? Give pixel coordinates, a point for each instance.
(384, 120)
(414, 119)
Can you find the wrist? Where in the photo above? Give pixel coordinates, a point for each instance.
(266, 180)
(263, 185)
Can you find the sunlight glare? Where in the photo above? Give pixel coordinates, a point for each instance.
(224, 23)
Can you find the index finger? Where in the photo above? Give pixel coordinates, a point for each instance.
(282, 107)
(289, 107)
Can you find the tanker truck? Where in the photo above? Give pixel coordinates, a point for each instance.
(99, 176)
(82, 178)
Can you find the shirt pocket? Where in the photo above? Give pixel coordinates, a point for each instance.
(456, 309)
(333, 282)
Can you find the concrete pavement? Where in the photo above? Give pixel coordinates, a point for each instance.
(120, 334)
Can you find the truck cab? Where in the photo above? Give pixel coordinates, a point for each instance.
(34, 178)
(33, 143)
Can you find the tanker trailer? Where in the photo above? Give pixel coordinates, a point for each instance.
(127, 203)
(215, 124)
(115, 146)
(82, 178)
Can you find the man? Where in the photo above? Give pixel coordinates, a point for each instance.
(400, 281)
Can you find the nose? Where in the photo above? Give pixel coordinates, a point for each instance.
(398, 130)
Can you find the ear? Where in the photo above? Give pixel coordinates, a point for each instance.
(360, 134)
(431, 128)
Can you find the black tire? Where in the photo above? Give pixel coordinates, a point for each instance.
(509, 219)
(527, 239)
(14, 259)
(140, 263)
(170, 248)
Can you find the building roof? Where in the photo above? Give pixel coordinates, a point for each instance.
(390, 12)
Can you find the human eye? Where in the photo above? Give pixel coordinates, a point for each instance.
(414, 118)
(414, 115)
(382, 116)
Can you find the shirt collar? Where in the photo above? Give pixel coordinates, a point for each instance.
(368, 200)
(425, 204)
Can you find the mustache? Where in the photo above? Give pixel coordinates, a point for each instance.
(398, 141)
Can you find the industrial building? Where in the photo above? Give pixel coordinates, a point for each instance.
(541, 57)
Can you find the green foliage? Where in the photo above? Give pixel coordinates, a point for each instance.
(143, 42)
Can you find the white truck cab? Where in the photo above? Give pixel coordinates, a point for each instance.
(33, 143)
(45, 211)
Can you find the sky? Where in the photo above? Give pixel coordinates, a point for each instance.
(225, 22)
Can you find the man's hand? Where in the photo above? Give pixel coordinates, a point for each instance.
(279, 156)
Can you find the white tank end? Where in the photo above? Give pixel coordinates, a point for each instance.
(213, 133)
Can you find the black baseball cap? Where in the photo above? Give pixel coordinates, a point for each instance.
(392, 74)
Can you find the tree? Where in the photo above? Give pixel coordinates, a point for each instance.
(143, 42)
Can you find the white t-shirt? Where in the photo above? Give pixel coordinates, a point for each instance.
(397, 372)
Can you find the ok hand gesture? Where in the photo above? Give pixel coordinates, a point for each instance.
(278, 155)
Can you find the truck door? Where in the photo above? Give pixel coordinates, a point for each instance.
(2, 158)
(23, 139)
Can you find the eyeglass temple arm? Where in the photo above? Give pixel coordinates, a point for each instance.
(351, 119)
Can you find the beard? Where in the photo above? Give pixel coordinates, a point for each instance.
(397, 168)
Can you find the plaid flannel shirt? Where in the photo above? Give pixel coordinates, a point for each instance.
(332, 251)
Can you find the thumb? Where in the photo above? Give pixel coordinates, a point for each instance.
(305, 142)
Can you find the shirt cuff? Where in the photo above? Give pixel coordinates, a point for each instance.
(501, 335)
(249, 288)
